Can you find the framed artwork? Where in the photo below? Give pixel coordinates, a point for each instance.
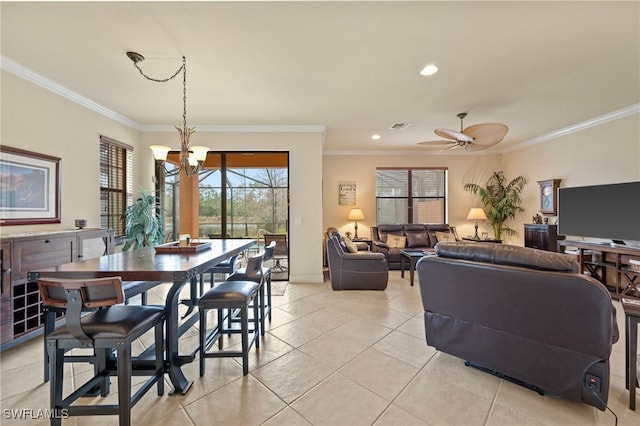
(347, 194)
(29, 187)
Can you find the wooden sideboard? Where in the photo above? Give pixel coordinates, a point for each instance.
(542, 237)
(609, 264)
(20, 306)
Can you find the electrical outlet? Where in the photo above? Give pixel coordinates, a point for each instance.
(593, 382)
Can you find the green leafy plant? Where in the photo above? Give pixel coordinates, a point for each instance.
(501, 200)
(143, 223)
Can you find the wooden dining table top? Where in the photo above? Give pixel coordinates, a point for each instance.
(147, 264)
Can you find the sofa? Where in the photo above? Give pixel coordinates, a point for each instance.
(354, 270)
(523, 314)
(389, 239)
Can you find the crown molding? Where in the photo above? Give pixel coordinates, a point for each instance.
(35, 78)
(220, 128)
(410, 152)
(597, 121)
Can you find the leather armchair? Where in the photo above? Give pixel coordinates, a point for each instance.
(525, 315)
(363, 270)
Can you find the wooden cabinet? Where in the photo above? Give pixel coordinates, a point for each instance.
(542, 237)
(6, 331)
(21, 253)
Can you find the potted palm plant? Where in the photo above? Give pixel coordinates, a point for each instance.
(501, 200)
(143, 222)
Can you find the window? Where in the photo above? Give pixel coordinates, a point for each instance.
(116, 183)
(255, 194)
(416, 195)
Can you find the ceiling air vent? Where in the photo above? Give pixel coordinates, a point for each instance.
(398, 126)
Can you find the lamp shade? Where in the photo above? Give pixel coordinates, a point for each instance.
(476, 213)
(199, 152)
(355, 214)
(160, 152)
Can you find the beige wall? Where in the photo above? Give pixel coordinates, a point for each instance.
(305, 185)
(38, 120)
(608, 153)
(361, 169)
(35, 119)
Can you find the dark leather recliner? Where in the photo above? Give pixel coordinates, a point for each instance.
(523, 314)
(363, 270)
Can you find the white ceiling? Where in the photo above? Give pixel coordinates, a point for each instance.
(539, 67)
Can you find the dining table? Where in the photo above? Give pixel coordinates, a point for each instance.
(178, 267)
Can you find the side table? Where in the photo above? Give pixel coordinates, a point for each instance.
(483, 240)
(412, 256)
(631, 319)
(366, 241)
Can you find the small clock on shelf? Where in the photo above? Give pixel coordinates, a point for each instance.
(549, 196)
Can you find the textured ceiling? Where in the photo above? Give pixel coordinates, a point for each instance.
(538, 67)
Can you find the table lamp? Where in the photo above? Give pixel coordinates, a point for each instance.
(476, 214)
(355, 215)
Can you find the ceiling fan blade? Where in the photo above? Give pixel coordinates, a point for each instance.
(457, 145)
(452, 134)
(486, 134)
(437, 143)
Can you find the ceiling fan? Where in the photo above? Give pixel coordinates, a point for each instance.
(473, 138)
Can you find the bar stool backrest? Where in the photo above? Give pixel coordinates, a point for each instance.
(254, 266)
(268, 251)
(93, 293)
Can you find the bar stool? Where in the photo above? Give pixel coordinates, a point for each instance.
(230, 296)
(51, 313)
(632, 319)
(110, 327)
(262, 276)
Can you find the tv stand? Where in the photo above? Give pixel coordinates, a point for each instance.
(609, 264)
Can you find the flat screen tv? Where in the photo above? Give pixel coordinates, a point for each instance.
(601, 211)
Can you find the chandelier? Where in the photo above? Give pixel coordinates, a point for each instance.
(191, 157)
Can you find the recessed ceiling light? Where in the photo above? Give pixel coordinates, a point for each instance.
(429, 70)
(375, 137)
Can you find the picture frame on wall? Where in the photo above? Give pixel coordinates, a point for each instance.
(347, 194)
(30, 185)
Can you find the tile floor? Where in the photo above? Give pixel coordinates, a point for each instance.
(331, 358)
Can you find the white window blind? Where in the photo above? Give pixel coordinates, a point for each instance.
(411, 195)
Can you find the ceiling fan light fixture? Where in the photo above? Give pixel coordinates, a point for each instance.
(429, 69)
(375, 137)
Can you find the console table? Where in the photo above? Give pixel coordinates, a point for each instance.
(609, 264)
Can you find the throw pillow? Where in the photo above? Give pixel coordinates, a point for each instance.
(417, 239)
(396, 241)
(445, 236)
(351, 248)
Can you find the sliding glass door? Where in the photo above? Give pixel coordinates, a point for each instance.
(241, 195)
